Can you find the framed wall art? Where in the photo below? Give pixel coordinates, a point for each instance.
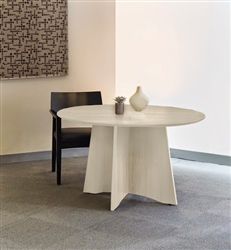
(34, 38)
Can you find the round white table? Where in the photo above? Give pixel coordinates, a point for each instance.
(129, 153)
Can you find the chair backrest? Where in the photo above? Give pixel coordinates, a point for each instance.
(61, 100)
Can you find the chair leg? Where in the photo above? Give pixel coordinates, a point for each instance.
(58, 161)
(53, 154)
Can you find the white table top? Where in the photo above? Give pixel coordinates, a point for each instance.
(104, 115)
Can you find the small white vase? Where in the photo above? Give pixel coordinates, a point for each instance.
(139, 100)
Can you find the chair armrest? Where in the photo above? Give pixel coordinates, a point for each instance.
(56, 124)
(53, 114)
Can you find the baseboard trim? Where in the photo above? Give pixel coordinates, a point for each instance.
(201, 157)
(175, 153)
(44, 155)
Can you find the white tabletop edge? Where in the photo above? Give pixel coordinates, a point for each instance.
(64, 114)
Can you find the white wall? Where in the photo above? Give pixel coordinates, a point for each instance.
(25, 120)
(180, 54)
(178, 51)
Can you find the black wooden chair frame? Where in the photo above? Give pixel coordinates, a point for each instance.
(57, 144)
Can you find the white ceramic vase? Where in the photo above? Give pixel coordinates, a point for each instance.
(139, 100)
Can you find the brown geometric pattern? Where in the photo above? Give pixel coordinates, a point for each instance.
(33, 38)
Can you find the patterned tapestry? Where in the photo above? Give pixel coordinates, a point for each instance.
(33, 38)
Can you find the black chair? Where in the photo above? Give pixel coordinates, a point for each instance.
(69, 137)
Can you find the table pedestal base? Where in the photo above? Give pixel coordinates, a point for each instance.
(126, 160)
